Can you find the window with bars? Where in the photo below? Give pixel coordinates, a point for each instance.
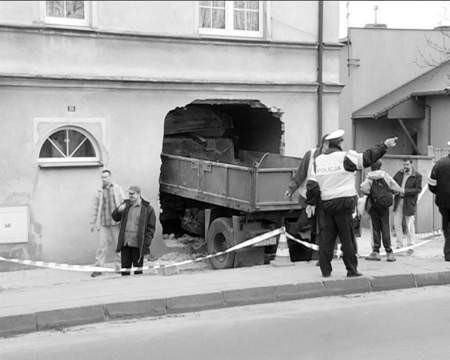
(66, 12)
(68, 146)
(240, 18)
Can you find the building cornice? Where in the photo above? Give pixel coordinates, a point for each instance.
(90, 32)
(133, 83)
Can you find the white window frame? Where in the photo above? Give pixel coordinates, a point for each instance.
(229, 23)
(70, 161)
(53, 20)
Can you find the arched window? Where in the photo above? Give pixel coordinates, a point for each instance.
(69, 146)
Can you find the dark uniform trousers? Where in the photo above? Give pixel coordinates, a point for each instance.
(333, 223)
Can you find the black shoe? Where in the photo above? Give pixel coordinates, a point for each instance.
(95, 274)
(354, 274)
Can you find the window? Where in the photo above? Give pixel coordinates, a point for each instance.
(66, 12)
(239, 18)
(70, 147)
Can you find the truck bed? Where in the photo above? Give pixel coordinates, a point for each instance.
(256, 182)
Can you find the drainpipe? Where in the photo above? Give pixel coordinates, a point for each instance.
(428, 118)
(320, 73)
(428, 107)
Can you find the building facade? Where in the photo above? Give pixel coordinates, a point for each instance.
(86, 85)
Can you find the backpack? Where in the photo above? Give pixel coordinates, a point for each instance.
(381, 194)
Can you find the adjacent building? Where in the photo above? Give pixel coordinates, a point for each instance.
(396, 84)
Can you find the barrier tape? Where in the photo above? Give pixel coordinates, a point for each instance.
(316, 247)
(250, 242)
(90, 268)
(304, 243)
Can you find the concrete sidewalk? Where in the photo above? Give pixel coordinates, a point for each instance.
(33, 300)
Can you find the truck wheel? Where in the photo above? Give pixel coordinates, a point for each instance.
(220, 238)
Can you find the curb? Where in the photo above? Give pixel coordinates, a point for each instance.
(61, 318)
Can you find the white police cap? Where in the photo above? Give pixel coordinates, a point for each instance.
(335, 135)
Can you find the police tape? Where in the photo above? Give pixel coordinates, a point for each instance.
(316, 247)
(90, 268)
(304, 243)
(59, 266)
(156, 268)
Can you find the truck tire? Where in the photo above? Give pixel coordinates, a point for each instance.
(220, 238)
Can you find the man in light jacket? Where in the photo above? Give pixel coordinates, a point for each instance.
(105, 201)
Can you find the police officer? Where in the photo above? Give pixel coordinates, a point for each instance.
(439, 184)
(334, 186)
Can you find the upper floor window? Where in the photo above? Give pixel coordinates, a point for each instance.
(68, 146)
(66, 12)
(235, 18)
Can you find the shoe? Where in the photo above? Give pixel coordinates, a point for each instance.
(390, 257)
(95, 274)
(410, 251)
(355, 274)
(374, 256)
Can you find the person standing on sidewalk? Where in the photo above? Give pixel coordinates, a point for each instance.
(405, 203)
(298, 182)
(334, 186)
(137, 226)
(439, 184)
(379, 187)
(106, 199)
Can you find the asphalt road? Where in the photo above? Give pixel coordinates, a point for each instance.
(409, 324)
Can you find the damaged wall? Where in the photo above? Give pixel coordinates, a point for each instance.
(133, 123)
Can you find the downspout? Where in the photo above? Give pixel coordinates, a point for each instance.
(428, 107)
(428, 119)
(320, 73)
(353, 134)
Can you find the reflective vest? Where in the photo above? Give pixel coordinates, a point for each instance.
(334, 181)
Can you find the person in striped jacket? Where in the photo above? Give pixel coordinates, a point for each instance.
(439, 184)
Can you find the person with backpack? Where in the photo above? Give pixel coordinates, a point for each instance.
(379, 187)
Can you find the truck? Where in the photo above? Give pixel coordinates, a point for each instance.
(228, 203)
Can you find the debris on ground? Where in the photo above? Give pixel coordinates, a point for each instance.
(186, 243)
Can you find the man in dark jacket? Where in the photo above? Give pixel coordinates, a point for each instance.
(298, 182)
(405, 202)
(137, 226)
(334, 187)
(439, 184)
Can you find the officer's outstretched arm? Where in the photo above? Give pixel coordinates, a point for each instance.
(356, 161)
